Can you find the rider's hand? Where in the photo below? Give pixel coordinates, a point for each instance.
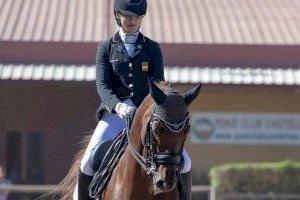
(125, 109)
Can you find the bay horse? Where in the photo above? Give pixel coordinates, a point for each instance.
(147, 170)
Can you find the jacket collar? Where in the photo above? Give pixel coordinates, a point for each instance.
(139, 45)
(120, 44)
(117, 38)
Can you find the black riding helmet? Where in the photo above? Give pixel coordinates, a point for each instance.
(129, 7)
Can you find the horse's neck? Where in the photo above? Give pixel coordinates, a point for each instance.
(129, 175)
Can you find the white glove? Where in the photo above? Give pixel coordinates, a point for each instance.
(125, 109)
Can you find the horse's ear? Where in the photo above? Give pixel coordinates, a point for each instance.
(157, 94)
(192, 94)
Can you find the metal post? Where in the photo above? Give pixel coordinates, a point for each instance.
(212, 193)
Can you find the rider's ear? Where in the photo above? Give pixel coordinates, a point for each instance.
(192, 94)
(157, 94)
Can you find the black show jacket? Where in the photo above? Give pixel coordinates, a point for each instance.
(119, 76)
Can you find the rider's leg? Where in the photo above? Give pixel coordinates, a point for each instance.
(187, 162)
(186, 175)
(82, 186)
(108, 128)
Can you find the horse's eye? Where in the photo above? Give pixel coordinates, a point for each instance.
(187, 129)
(156, 127)
(156, 119)
(156, 122)
(188, 126)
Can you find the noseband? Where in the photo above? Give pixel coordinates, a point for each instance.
(154, 159)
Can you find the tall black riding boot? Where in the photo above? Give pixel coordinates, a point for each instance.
(83, 186)
(187, 185)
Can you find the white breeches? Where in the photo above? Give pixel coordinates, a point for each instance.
(108, 128)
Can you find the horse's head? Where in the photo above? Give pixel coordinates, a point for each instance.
(165, 130)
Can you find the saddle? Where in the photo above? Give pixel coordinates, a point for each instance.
(105, 157)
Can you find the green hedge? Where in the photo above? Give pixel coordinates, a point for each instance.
(276, 177)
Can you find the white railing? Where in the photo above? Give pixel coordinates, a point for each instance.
(196, 189)
(256, 196)
(27, 188)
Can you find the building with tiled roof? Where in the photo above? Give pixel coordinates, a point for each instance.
(272, 22)
(245, 52)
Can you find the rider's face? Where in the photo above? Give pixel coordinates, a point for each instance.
(131, 24)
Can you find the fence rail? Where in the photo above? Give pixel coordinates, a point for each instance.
(256, 196)
(196, 189)
(47, 188)
(28, 188)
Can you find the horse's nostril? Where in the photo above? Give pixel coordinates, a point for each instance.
(161, 184)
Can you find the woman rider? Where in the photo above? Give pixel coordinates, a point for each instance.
(123, 65)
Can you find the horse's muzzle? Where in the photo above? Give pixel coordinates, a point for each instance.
(165, 186)
(165, 182)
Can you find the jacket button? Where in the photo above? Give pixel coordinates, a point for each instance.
(130, 85)
(130, 64)
(131, 94)
(130, 74)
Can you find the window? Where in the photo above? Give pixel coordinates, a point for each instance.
(25, 162)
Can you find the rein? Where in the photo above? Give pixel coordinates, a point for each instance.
(149, 169)
(153, 159)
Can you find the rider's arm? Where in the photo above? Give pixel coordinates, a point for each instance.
(104, 74)
(157, 66)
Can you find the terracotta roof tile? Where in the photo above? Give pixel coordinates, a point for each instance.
(169, 21)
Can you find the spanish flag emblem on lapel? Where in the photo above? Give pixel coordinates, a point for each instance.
(145, 66)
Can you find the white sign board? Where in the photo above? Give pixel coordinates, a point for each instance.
(245, 128)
